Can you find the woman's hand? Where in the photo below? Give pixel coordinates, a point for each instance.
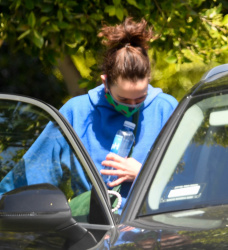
(125, 168)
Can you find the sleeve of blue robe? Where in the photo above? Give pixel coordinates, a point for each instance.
(49, 160)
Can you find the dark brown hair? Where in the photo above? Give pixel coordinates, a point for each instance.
(126, 54)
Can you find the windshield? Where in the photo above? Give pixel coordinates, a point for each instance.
(194, 170)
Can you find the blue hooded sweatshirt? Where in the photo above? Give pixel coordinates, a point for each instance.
(96, 123)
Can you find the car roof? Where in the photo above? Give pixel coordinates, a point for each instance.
(216, 71)
(215, 80)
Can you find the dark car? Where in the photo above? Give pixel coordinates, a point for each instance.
(178, 201)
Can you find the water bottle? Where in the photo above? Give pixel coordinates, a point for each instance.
(122, 144)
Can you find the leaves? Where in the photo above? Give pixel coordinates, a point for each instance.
(37, 39)
(29, 4)
(171, 59)
(110, 9)
(47, 8)
(188, 31)
(60, 15)
(43, 19)
(225, 20)
(133, 2)
(96, 16)
(119, 13)
(117, 2)
(24, 34)
(31, 20)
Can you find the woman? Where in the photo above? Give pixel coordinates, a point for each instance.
(124, 93)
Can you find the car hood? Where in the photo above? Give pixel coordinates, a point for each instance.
(204, 228)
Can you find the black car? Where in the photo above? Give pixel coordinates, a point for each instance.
(178, 200)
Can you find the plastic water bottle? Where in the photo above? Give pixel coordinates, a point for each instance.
(124, 140)
(122, 144)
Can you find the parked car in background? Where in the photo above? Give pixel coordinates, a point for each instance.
(178, 201)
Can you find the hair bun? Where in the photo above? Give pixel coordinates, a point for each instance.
(129, 33)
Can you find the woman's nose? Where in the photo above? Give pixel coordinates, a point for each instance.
(132, 102)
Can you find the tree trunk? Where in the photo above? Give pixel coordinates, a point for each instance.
(71, 76)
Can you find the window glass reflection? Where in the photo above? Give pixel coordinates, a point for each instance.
(33, 149)
(193, 172)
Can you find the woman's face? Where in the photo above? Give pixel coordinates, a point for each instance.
(126, 91)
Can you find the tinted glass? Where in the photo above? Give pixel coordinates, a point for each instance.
(193, 172)
(34, 149)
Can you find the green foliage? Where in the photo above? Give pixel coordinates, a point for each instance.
(176, 79)
(189, 32)
(26, 75)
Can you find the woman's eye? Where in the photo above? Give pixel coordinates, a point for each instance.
(123, 99)
(140, 100)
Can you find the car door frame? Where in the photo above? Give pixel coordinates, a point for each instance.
(150, 167)
(80, 151)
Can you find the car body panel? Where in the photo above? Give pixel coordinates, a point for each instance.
(204, 228)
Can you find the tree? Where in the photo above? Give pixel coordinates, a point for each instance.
(61, 32)
(25, 75)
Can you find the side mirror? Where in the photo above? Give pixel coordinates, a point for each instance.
(42, 207)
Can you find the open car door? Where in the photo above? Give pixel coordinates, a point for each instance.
(41, 156)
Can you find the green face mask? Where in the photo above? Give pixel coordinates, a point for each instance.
(125, 109)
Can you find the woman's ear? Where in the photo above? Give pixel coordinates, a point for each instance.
(104, 81)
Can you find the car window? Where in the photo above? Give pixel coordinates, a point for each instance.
(34, 149)
(194, 169)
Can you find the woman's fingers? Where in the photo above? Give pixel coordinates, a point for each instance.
(113, 164)
(117, 182)
(111, 172)
(115, 157)
(126, 169)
